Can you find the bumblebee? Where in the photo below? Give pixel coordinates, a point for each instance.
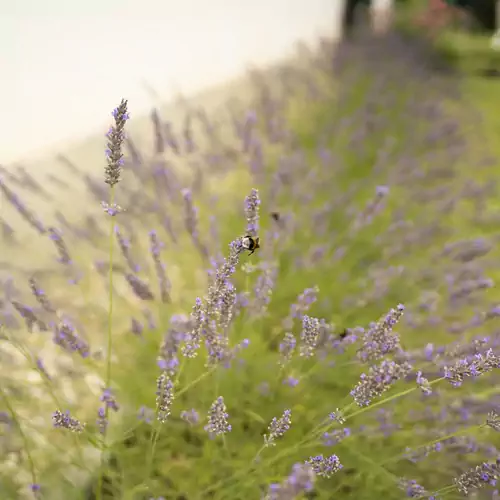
(344, 334)
(250, 243)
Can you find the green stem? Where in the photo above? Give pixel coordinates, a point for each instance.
(110, 311)
(16, 420)
(110, 338)
(436, 441)
(318, 430)
(257, 455)
(155, 435)
(30, 358)
(196, 380)
(154, 440)
(444, 491)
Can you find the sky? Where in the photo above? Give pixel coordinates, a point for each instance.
(65, 64)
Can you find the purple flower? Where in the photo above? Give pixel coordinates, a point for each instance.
(116, 136)
(163, 281)
(112, 209)
(379, 340)
(190, 348)
(66, 337)
(287, 348)
(336, 436)
(412, 488)
(372, 208)
(378, 380)
(278, 427)
(227, 303)
(139, 287)
(423, 383)
(191, 222)
(337, 416)
(218, 306)
(304, 301)
(124, 244)
(164, 397)
(15, 201)
(41, 368)
(252, 203)
(40, 296)
(477, 477)
(263, 290)
(30, 318)
(62, 249)
(136, 327)
(493, 420)
(65, 421)
(168, 359)
(191, 416)
(300, 481)
(146, 414)
(309, 336)
(325, 466)
(291, 381)
(217, 418)
(471, 366)
(109, 401)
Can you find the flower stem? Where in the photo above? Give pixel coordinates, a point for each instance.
(16, 420)
(110, 338)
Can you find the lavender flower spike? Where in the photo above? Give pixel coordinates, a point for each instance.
(493, 420)
(40, 296)
(287, 348)
(112, 209)
(139, 287)
(412, 488)
(116, 136)
(301, 480)
(109, 403)
(378, 380)
(252, 203)
(471, 367)
(217, 418)
(481, 475)
(60, 244)
(66, 337)
(309, 336)
(190, 349)
(65, 421)
(164, 397)
(278, 427)
(325, 466)
(379, 340)
(163, 281)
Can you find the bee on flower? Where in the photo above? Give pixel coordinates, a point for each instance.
(250, 243)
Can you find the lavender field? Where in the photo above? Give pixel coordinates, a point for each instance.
(147, 353)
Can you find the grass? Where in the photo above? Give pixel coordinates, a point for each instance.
(327, 139)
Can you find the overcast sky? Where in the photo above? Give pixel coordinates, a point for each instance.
(65, 63)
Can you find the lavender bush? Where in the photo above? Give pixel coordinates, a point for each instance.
(354, 355)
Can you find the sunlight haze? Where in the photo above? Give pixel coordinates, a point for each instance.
(66, 63)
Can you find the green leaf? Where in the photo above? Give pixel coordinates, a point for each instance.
(255, 416)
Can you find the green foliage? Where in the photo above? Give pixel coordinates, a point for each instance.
(185, 462)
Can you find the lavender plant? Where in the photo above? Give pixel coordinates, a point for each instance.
(190, 391)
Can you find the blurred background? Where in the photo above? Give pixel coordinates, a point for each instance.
(64, 63)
